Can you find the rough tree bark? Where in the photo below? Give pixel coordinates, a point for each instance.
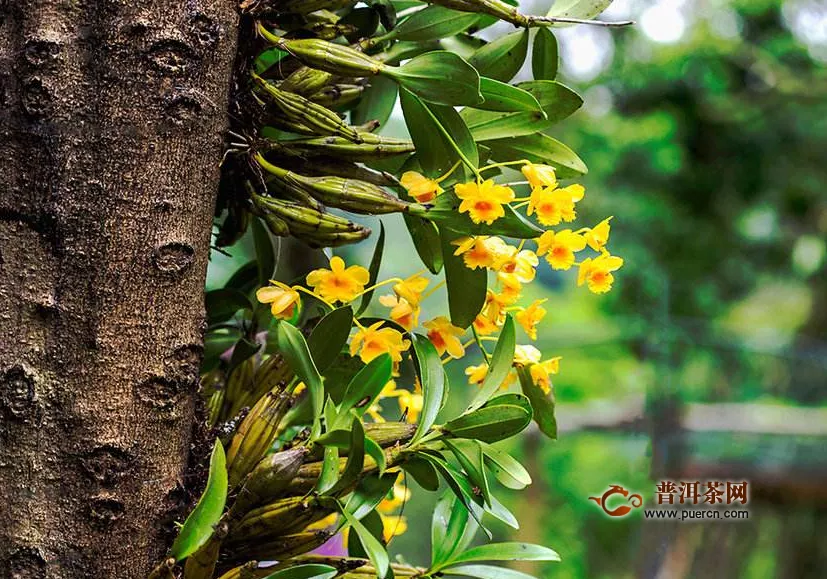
(112, 114)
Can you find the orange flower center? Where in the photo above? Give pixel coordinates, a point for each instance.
(483, 206)
(436, 339)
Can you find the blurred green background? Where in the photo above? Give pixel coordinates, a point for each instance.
(705, 131)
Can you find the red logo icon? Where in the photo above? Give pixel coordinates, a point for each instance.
(635, 500)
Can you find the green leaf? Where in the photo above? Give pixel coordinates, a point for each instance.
(436, 150)
(489, 424)
(500, 96)
(433, 23)
(466, 287)
(542, 404)
(469, 455)
(425, 237)
(369, 493)
(487, 571)
(199, 525)
(499, 512)
(544, 55)
(222, 304)
(507, 466)
(503, 57)
(451, 529)
(355, 459)
(268, 58)
(501, 362)
(423, 472)
(557, 100)
(373, 270)
(265, 252)
(292, 346)
(373, 523)
(539, 148)
(329, 337)
(439, 77)
(377, 102)
(487, 125)
(245, 278)
(375, 550)
(312, 571)
(583, 9)
(366, 385)
(432, 377)
(511, 551)
(216, 342)
(459, 485)
(373, 450)
(330, 470)
(510, 399)
(445, 212)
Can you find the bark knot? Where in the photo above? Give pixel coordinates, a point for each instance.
(106, 464)
(17, 393)
(173, 258)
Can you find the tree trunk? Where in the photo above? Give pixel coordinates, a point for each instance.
(112, 115)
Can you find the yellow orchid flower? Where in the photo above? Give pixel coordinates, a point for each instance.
(483, 202)
(372, 341)
(522, 264)
(539, 175)
(596, 272)
(598, 236)
(559, 247)
(420, 187)
(445, 336)
(529, 317)
(282, 298)
(540, 372)
(338, 284)
(402, 312)
(411, 289)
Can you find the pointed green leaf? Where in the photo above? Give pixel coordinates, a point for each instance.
(511, 551)
(469, 455)
(459, 485)
(583, 9)
(436, 145)
(489, 424)
(487, 572)
(498, 510)
(432, 377)
(292, 346)
(369, 493)
(439, 77)
(375, 550)
(329, 337)
(451, 529)
(501, 361)
(557, 100)
(542, 404)
(377, 102)
(500, 96)
(425, 237)
(222, 304)
(539, 148)
(500, 461)
(466, 287)
(503, 57)
(423, 473)
(199, 525)
(373, 523)
(355, 459)
(373, 450)
(432, 23)
(544, 55)
(366, 385)
(373, 270)
(330, 470)
(488, 125)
